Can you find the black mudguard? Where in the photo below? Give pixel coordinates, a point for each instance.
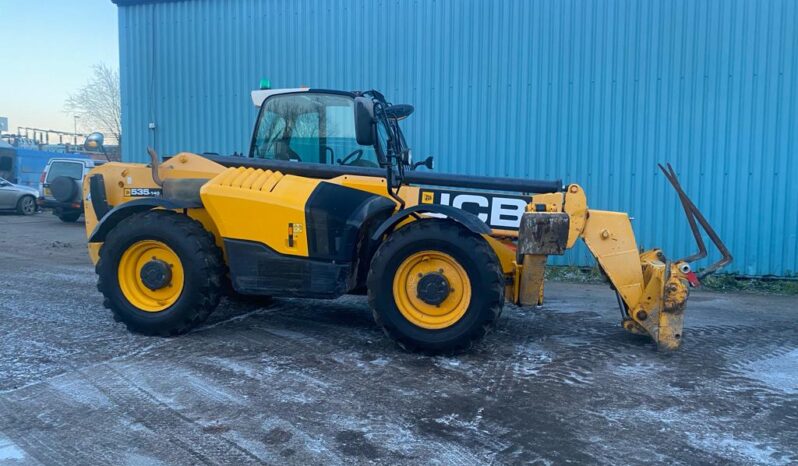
(467, 219)
(122, 211)
(336, 216)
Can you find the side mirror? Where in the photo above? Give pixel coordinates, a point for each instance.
(94, 141)
(399, 111)
(428, 162)
(364, 121)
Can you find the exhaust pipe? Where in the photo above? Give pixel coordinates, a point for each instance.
(154, 163)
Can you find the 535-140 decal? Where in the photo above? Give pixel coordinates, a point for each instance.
(501, 212)
(143, 192)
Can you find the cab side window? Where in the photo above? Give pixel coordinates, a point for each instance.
(308, 127)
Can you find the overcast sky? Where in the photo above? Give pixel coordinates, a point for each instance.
(48, 49)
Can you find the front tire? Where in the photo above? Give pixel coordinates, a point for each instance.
(435, 287)
(26, 205)
(160, 272)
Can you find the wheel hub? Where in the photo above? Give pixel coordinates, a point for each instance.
(150, 275)
(156, 274)
(433, 288)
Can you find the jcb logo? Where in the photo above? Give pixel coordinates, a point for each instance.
(500, 212)
(142, 192)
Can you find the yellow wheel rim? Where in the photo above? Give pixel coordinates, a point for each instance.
(422, 313)
(132, 284)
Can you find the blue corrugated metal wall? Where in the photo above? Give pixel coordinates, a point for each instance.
(594, 92)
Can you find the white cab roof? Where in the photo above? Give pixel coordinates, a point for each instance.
(262, 94)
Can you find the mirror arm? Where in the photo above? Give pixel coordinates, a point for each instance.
(428, 162)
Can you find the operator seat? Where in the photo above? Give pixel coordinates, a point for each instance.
(283, 151)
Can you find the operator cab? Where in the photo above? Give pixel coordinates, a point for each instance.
(310, 126)
(322, 129)
(326, 127)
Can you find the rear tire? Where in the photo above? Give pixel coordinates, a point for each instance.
(26, 205)
(466, 262)
(196, 261)
(69, 217)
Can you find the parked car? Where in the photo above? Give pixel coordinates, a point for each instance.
(14, 196)
(61, 184)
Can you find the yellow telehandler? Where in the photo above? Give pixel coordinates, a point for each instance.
(329, 202)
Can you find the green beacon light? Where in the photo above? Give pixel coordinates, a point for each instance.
(265, 84)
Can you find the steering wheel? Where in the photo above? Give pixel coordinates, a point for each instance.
(355, 154)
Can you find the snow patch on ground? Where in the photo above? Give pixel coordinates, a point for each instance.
(735, 447)
(249, 370)
(452, 363)
(702, 431)
(778, 372)
(85, 394)
(134, 459)
(9, 451)
(530, 360)
(636, 369)
(380, 361)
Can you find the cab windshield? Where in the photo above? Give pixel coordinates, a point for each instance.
(307, 127)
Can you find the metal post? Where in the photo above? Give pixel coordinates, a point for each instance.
(75, 134)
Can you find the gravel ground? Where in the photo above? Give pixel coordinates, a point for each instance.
(305, 381)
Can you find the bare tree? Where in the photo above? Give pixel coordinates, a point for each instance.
(98, 103)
